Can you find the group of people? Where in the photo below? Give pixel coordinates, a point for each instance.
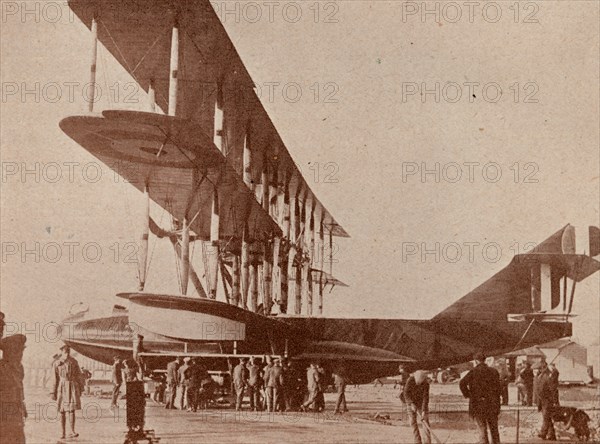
(279, 386)
(123, 370)
(191, 378)
(483, 387)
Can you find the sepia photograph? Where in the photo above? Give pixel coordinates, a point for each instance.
(304, 221)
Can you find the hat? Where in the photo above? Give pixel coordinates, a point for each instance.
(187, 359)
(420, 376)
(479, 356)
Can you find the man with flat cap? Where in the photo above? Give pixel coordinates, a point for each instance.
(482, 386)
(172, 381)
(12, 399)
(68, 385)
(416, 397)
(240, 381)
(183, 382)
(117, 381)
(274, 386)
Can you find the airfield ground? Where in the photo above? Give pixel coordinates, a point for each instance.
(449, 420)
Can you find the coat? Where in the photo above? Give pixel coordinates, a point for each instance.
(117, 373)
(545, 390)
(181, 378)
(68, 385)
(417, 394)
(275, 377)
(172, 373)
(240, 375)
(482, 386)
(254, 378)
(312, 379)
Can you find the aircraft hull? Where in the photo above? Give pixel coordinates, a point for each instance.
(368, 348)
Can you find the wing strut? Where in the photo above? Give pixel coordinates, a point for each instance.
(143, 261)
(93, 65)
(173, 70)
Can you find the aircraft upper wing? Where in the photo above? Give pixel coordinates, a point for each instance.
(138, 35)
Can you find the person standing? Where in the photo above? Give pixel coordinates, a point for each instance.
(265, 375)
(339, 379)
(194, 383)
(526, 374)
(416, 397)
(546, 401)
(323, 384)
(554, 373)
(502, 369)
(68, 385)
(183, 382)
(254, 385)
(482, 387)
(172, 381)
(312, 384)
(117, 381)
(274, 386)
(240, 381)
(12, 398)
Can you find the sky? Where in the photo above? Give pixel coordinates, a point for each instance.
(438, 190)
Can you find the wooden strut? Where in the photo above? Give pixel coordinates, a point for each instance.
(185, 255)
(309, 241)
(151, 97)
(235, 280)
(285, 216)
(93, 64)
(266, 268)
(174, 67)
(291, 268)
(213, 250)
(245, 253)
(143, 261)
(321, 260)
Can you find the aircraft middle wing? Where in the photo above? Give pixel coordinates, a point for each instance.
(178, 163)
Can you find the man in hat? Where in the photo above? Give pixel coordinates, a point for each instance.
(172, 381)
(183, 382)
(526, 375)
(416, 397)
(11, 382)
(117, 381)
(67, 389)
(339, 379)
(482, 386)
(240, 381)
(546, 401)
(254, 384)
(274, 386)
(313, 380)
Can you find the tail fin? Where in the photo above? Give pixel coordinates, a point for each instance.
(533, 283)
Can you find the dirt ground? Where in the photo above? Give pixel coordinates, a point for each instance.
(448, 418)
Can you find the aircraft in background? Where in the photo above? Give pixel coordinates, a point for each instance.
(208, 154)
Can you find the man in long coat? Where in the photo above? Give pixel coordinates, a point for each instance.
(482, 386)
